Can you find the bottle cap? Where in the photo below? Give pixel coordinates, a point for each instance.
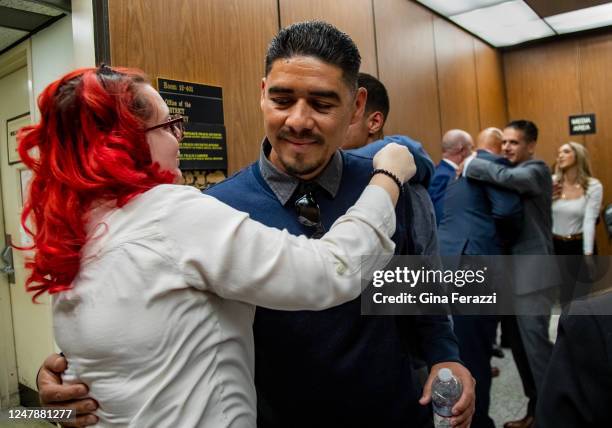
(445, 375)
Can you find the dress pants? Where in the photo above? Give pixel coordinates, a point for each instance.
(571, 261)
(510, 332)
(476, 334)
(534, 330)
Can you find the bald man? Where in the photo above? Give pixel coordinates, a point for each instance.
(457, 145)
(490, 140)
(475, 215)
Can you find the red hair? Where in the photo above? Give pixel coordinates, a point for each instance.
(90, 145)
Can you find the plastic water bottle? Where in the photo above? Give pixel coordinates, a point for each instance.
(445, 392)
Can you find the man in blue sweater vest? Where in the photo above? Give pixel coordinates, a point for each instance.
(333, 368)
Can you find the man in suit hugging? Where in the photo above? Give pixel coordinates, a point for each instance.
(533, 288)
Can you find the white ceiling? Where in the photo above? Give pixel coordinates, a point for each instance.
(31, 6)
(21, 18)
(511, 22)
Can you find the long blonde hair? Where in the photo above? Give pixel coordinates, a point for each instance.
(583, 164)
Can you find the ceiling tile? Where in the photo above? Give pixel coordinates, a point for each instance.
(9, 36)
(31, 7)
(504, 24)
(454, 7)
(509, 13)
(583, 19)
(509, 22)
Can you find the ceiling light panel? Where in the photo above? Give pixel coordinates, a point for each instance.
(454, 7)
(504, 24)
(508, 13)
(582, 19)
(509, 36)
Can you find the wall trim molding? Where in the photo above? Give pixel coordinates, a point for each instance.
(101, 32)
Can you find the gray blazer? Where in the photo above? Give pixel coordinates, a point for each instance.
(532, 181)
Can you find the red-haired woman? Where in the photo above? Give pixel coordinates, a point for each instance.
(154, 284)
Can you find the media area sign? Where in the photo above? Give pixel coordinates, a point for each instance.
(204, 145)
(582, 124)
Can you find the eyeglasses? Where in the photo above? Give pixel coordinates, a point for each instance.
(175, 124)
(309, 213)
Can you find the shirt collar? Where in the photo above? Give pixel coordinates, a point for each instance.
(283, 185)
(451, 163)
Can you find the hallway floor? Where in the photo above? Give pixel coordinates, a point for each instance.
(508, 402)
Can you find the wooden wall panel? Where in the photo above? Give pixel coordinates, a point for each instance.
(548, 82)
(223, 42)
(354, 17)
(491, 86)
(407, 66)
(456, 78)
(219, 42)
(542, 85)
(595, 66)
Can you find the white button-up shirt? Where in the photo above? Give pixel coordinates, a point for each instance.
(158, 322)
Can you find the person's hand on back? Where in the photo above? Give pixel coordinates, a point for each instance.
(53, 394)
(397, 160)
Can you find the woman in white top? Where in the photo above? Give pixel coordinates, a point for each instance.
(576, 205)
(154, 284)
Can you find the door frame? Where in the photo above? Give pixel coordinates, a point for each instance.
(13, 60)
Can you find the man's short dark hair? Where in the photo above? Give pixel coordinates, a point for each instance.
(530, 130)
(378, 99)
(320, 40)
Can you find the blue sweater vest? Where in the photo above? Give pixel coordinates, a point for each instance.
(334, 367)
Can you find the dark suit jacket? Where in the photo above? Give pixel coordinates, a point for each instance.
(577, 389)
(473, 213)
(424, 164)
(422, 218)
(444, 173)
(532, 180)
